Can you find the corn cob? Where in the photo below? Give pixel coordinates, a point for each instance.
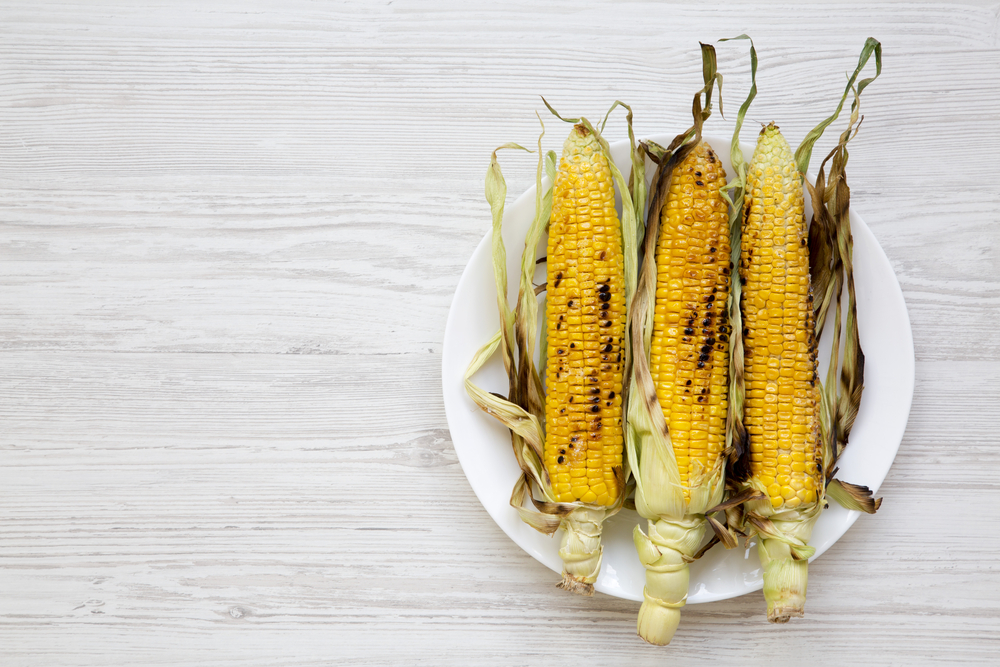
(689, 367)
(688, 355)
(782, 397)
(585, 320)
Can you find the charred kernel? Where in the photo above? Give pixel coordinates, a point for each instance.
(572, 345)
(701, 398)
(605, 323)
(558, 278)
(560, 459)
(595, 390)
(560, 351)
(710, 298)
(562, 451)
(688, 383)
(601, 256)
(570, 303)
(558, 326)
(705, 349)
(730, 265)
(706, 322)
(596, 408)
(596, 399)
(604, 288)
(710, 341)
(611, 395)
(702, 357)
(689, 331)
(699, 183)
(712, 249)
(619, 357)
(701, 364)
(604, 296)
(723, 338)
(607, 348)
(698, 174)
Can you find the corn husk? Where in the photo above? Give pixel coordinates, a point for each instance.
(784, 534)
(522, 411)
(676, 525)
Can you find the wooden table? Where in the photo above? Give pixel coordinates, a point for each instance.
(229, 237)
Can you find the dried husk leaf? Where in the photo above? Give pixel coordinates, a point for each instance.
(523, 409)
(784, 534)
(737, 440)
(676, 525)
(853, 496)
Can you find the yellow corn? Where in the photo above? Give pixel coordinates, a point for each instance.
(782, 397)
(585, 316)
(690, 341)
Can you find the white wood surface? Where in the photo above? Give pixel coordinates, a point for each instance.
(229, 235)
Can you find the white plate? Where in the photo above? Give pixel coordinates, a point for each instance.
(483, 444)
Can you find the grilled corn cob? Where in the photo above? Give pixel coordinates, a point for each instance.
(782, 397)
(689, 366)
(688, 355)
(585, 320)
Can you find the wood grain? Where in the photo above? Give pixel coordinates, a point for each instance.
(229, 236)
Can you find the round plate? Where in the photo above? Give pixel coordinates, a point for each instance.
(484, 448)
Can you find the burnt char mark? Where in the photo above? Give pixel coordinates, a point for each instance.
(558, 279)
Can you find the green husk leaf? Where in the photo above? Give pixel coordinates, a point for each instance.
(804, 151)
(529, 381)
(853, 496)
(767, 530)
